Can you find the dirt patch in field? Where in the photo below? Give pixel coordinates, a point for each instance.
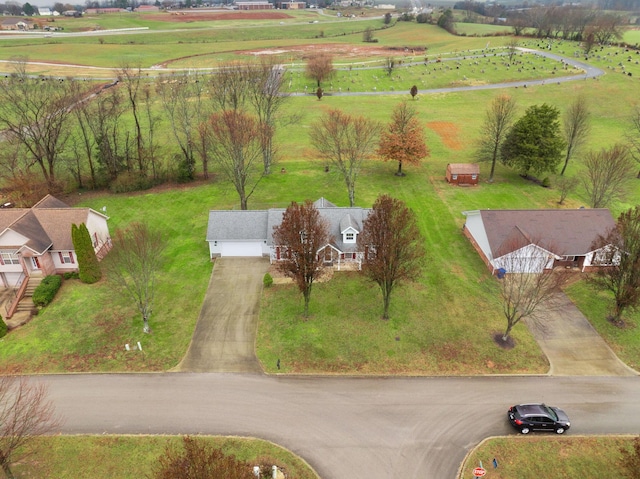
(339, 50)
(185, 17)
(448, 133)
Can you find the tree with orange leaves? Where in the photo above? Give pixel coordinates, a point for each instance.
(403, 140)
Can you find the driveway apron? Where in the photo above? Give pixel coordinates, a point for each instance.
(572, 345)
(224, 337)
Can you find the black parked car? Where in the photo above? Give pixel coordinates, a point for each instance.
(530, 417)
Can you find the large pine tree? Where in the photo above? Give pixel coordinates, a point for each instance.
(89, 268)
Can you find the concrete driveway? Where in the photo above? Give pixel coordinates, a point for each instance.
(224, 338)
(572, 345)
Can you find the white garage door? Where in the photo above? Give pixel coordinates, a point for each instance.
(247, 248)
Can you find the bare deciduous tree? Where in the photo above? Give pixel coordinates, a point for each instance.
(131, 78)
(183, 101)
(35, 113)
(608, 174)
(526, 288)
(320, 67)
(133, 265)
(393, 245)
(499, 117)
(389, 65)
(618, 252)
(230, 87)
(576, 127)
(633, 136)
(300, 236)
(235, 146)
(566, 185)
(345, 141)
(25, 413)
(266, 95)
(403, 139)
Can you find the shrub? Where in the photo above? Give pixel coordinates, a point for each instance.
(546, 182)
(267, 280)
(87, 261)
(46, 291)
(3, 328)
(71, 275)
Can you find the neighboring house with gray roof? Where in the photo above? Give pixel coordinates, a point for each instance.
(509, 239)
(36, 242)
(250, 233)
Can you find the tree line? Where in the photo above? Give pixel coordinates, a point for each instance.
(544, 140)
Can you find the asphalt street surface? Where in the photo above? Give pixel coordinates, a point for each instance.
(346, 428)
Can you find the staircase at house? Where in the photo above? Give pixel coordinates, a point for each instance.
(24, 302)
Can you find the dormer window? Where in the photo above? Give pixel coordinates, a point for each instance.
(349, 236)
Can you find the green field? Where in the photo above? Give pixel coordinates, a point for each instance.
(77, 333)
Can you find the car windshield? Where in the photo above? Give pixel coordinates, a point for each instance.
(552, 413)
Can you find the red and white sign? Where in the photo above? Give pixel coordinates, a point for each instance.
(479, 472)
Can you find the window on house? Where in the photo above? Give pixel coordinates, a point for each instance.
(9, 258)
(66, 257)
(454, 177)
(349, 237)
(473, 177)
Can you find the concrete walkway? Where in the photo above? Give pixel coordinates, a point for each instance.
(224, 338)
(572, 345)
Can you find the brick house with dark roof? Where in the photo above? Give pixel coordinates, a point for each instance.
(36, 242)
(554, 238)
(250, 233)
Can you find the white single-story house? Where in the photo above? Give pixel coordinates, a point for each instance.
(250, 232)
(533, 241)
(36, 241)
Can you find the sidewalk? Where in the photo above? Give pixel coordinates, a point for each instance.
(572, 345)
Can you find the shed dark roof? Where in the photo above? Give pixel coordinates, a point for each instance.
(563, 232)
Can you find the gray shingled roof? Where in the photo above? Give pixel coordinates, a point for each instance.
(564, 232)
(254, 225)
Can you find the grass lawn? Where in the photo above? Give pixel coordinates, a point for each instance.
(550, 457)
(441, 325)
(133, 457)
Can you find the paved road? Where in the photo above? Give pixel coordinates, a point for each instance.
(346, 428)
(225, 335)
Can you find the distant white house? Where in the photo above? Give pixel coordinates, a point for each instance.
(44, 11)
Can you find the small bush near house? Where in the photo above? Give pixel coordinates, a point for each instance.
(46, 291)
(71, 275)
(267, 280)
(3, 328)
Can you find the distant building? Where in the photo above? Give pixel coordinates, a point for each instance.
(386, 6)
(147, 8)
(44, 11)
(96, 11)
(291, 5)
(18, 24)
(254, 5)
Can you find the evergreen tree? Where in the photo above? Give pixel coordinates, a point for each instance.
(89, 268)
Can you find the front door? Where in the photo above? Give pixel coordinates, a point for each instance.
(35, 262)
(328, 255)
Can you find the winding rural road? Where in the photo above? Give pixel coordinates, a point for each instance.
(346, 428)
